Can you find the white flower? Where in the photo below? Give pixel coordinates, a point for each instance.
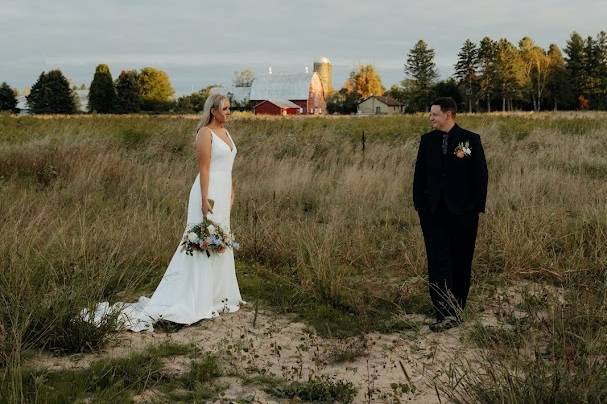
(192, 237)
(211, 229)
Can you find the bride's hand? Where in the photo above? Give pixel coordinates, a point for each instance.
(207, 207)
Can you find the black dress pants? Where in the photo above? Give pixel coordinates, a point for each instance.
(450, 240)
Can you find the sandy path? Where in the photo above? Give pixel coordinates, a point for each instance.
(288, 349)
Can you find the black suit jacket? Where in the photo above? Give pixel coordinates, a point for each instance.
(462, 182)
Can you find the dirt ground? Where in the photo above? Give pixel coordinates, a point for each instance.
(392, 368)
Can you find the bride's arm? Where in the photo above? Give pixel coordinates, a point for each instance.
(203, 153)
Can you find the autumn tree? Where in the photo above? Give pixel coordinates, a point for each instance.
(558, 88)
(536, 70)
(155, 89)
(365, 82)
(505, 71)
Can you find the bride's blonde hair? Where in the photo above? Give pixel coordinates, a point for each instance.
(214, 101)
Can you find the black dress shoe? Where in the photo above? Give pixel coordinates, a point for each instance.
(445, 324)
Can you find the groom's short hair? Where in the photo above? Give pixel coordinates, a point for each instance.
(446, 104)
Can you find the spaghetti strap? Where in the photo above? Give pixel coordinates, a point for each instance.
(230, 136)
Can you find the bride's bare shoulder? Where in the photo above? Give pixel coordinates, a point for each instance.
(203, 136)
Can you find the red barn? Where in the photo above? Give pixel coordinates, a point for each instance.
(303, 89)
(277, 107)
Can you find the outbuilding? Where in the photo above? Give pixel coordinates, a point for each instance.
(277, 107)
(377, 105)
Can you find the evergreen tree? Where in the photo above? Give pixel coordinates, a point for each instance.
(8, 98)
(600, 54)
(421, 68)
(487, 61)
(128, 98)
(591, 82)
(576, 64)
(448, 88)
(466, 70)
(102, 94)
(51, 94)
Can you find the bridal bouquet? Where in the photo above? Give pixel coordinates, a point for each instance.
(209, 237)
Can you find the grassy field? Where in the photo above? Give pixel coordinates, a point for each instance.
(93, 207)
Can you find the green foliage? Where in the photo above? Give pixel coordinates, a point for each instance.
(343, 101)
(421, 69)
(448, 88)
(488, 65)
(128, 97)
(398, 93)
(102, 94)
(559, 89)
(51, 94)
(203, 371)
(466, 71)
(576, 63)
(193, 102)
(155, 89)
(321, 389)
(8, 98)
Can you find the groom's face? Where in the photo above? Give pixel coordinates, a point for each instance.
(438, 118)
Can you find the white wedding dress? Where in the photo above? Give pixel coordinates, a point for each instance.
(193, 287)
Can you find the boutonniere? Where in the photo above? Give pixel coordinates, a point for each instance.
(462, 150)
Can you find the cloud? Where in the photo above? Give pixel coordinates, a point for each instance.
(216, 38)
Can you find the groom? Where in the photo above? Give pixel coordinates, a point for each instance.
(449, 192)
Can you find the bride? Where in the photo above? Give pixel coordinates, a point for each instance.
(197, 286)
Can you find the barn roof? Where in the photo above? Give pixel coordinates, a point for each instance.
(239, 94)
(281, 86)
(281, 103)
(389, 101)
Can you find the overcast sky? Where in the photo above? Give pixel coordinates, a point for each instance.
(199, 42)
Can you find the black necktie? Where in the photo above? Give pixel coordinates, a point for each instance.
(445, 137)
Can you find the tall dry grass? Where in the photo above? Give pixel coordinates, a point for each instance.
(93, 208)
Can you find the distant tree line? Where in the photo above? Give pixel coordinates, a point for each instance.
(491, 75)
(146, 90)
(494, 75)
